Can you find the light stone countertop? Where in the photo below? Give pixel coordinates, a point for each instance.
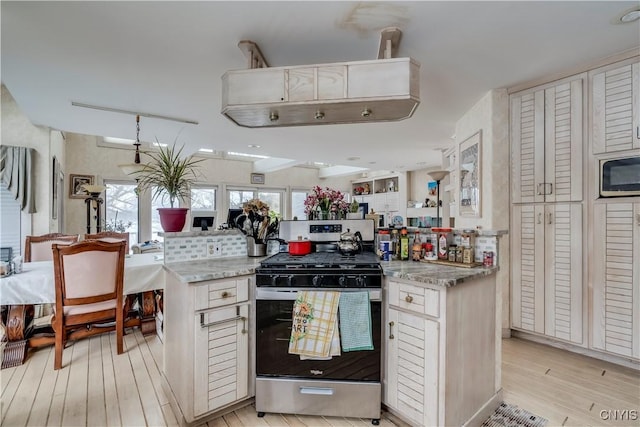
(434, 274)
(212, 269)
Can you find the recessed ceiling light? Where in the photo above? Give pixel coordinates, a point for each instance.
(372, 163)
(205, 150)
(352, 158)
(253, 146)
(631, 16)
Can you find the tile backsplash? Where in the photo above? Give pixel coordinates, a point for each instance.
(189, 246)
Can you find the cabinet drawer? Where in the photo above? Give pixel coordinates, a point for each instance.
(414, 298)
(221, 292)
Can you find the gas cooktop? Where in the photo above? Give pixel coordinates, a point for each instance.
(322, 260)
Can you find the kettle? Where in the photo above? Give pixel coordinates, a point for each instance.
(350, 243)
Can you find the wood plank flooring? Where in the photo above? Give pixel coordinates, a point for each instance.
(96, 387)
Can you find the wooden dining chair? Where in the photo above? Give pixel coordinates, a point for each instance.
(38, 248)
(109, 236)
(89, 292)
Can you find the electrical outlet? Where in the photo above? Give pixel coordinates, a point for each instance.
(213, 248)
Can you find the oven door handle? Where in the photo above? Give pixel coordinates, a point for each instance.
(290, 294)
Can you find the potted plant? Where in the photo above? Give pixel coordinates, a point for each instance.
(353, 213)
(170, 174)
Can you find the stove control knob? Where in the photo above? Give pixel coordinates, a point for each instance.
(317, 280)
(342, 281)
(290, 280)
(361, 281)
(274, 280)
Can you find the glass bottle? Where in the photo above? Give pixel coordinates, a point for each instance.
(404, 244)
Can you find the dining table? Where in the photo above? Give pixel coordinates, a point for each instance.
(144, 276)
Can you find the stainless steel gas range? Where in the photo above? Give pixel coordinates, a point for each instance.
(347, 385)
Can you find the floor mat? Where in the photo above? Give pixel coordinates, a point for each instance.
(507, 415)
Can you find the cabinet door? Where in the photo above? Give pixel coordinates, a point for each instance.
(563, 142)
(255, 86)
(563, 272)
(616, 109)
(221, 358)
(616, 279)
(412, 367)
(527, 296)
(527, 147)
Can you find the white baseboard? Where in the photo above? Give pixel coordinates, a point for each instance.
(485, 412)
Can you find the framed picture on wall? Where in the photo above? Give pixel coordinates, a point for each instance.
(76, 183)
(470, 173)
(257, 178)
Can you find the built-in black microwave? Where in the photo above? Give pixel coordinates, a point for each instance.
(620, 177)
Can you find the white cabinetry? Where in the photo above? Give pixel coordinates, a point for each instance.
(547, 213)
(546, 143)
(616, 278)
(440, 351)
(546, 268)
(615, 110)
(206, 348)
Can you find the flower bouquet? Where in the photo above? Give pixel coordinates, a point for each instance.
(326, 202)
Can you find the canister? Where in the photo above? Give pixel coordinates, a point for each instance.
(467, 255)
(452, 253)
(459, 254)
(468, 238)
(445, 238)
(487, 258)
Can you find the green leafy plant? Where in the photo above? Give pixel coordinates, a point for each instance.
(169, 172)
(354, 206)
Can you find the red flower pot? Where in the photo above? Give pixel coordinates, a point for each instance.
(172, 219)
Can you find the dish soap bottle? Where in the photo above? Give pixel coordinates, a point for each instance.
(404, 244)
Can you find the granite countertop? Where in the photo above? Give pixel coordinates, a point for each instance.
(434, 274)
(212, 269)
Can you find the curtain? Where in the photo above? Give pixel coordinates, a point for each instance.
(16, 173)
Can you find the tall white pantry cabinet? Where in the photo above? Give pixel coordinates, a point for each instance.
(571, 248)
(547, 212)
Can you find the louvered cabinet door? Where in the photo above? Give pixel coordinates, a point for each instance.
(563, 272)
(616, 279)
(563, 142)
(527, 147)
(221, 358)
(527, 281)
(615, 111)
(412, 367)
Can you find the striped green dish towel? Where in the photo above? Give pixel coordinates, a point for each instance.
(355, 321)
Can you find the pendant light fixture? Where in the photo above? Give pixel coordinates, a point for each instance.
(136, 166)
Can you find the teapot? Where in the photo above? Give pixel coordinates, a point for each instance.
(350, 243)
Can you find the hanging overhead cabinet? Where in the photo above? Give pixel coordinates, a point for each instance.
(346, 92)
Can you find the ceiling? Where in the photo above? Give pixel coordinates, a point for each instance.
(167, 58)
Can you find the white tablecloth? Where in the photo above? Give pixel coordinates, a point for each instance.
(36, 285)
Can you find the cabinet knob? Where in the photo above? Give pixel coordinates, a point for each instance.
(225, 294)
(408, 299)
(390, 332)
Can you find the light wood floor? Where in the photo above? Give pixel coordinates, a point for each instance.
(96, 387)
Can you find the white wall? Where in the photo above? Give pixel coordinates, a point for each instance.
(18, 131)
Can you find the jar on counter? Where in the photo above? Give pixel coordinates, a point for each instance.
(445, 239)
(459, 250)
(451, 253)
(467, 255)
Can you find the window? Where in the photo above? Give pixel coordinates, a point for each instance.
(162, 201)
(297, 204)
(273, 198)
(10, 222)
(121, 209)
(203, 198)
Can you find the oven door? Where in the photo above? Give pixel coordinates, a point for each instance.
(274, 308)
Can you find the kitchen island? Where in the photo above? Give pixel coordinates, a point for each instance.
(441, 348)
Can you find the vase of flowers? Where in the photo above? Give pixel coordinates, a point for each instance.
(325, 203)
